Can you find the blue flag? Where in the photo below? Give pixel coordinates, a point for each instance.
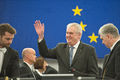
(56, 14)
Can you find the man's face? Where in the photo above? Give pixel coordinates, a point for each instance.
(105, 40)
(6, 40)
(71, 36)
(45, 65)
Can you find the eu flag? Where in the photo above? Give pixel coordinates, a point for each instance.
(56, 14)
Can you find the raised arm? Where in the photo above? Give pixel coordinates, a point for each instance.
(39, 29)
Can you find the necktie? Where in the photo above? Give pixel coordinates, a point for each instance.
(71, 54)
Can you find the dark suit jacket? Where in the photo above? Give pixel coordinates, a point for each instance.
(38, 77)
(112, 65)
(105, 59)
(84, 62)
(50, 70)
(10, 65)
(25, 71)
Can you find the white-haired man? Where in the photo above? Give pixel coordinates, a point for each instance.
(111, 39)
(74, 56)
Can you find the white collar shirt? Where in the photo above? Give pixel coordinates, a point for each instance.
(114, 44)
(30, 66)
(75, 49)
(2, 52)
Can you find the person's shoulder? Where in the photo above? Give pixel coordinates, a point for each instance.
(12, 50)
(23, 65)
(117, 46)
(62, 44)
(87, 45)
(23, 68)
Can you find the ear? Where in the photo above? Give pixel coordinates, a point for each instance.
(79, 35)
(109, 36)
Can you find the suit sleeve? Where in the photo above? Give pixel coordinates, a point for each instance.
(13, 65)
(45, 52)
(16, 66)
(117, 64)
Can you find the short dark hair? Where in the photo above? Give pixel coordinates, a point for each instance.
(39, 63)
(6, 28)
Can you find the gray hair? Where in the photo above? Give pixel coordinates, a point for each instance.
(109, 29)
(77, 27)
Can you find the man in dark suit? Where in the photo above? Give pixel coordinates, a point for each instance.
(111, 39)
(83, 62)
(50, 70)
(27, 67)
(105, 59)
(9, 59)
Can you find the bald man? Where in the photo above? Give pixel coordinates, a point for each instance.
(26, 68)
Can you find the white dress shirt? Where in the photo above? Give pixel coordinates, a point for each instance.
(114, 44)
(30, 66)
(32, 69)
(2, 52)
(75, 49)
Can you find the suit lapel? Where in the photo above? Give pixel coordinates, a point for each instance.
(66, 55)
(29, 70)
(107, 60)
(77, 54)
(6, 60)
(111, 54)
(106, 63)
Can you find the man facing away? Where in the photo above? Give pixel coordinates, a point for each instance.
(9, 58)
(27, 67)
(111, 39)
(74, 56)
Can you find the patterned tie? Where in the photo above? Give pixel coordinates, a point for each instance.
(71, 54)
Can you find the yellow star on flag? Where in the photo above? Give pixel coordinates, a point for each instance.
(93, 38)
(83, 26)
(77, 11)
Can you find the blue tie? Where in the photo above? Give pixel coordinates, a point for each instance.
(71, 54)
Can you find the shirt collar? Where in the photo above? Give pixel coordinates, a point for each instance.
(3, 50)
(114, 44)
(30, 66)
(76, 45)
